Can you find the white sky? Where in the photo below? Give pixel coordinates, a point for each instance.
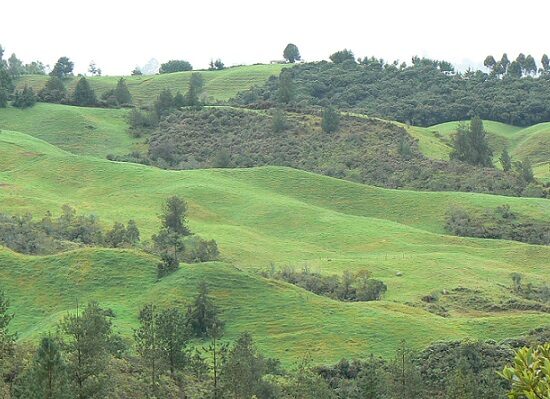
(120, 34)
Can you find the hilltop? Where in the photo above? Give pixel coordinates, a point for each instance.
(219, 85)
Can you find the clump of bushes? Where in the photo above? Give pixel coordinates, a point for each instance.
(500, 223)
(352, 287)
(50, 235)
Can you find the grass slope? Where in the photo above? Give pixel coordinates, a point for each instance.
(219, 85)
(259, 216)
(86, 131)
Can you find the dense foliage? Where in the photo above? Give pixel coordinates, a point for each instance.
(500, 223)
(175, 66)
(425, 93)
(69, 230)
(364, 150)
(353, 287)
(87, 359)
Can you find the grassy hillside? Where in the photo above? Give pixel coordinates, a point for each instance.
(259, 216)
(219, 85)
(86, 131)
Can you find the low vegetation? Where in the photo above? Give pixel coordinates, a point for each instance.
(499, 223)
(353, 287)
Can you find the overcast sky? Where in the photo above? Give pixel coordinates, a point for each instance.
(120, 34)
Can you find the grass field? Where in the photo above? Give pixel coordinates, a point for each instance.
(259, 216)
(219, 85)
(86, 131)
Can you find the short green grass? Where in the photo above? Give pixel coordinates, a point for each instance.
(219, 85)
(86, 131)
(259, 216)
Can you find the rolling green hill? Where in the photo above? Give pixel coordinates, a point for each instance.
(86, 131)
(259, 216)
(219, 85)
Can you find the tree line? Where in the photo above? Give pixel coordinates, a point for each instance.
(178, 353)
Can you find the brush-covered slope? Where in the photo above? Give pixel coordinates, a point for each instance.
(259, 216)
(219, 85)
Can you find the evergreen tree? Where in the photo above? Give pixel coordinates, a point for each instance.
(243, 372)
(278, 121)
(196, 86)
(147, 344)
(6, 81)
(54, 91)
(525, 171)
(15, 66)
(122, 93)
(330, 122)
(179, 100)
(6, 338)
(164, 103)
(291, 53)
(24, 98)
(505, 161)
(545, 61)
(285, 93)
(47, 377)
(83, 94)
(173, 334)
(63, 68)
(470, 144)
(305, 383)
(342, 56)
(406, 381)
(132, 233)
(174, 216)
(203, 314)
(87, 344)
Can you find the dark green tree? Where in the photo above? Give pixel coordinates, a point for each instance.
(132, 232)
(175, 66)
(505, 160)
(147, 344)
(545, 61)
(278, 121)
(405, 378)
(470, 144)
(285, 92)
(218, 351)
(24, 98)
(342, 56)
(7, 339)
(194, 92)
(54, 91)
(305, 383)
(330, 122)
(530, 65)
(84, 95)
(243, 372)
(174, 216)
(63, 68)
(15, 66)
(203, 314)
(515, 70)
(525, 170)
(291, 53)
(87, 344)
(122, 93)
(172, 336)
(6, 81)
(47, 377)
(490, 62)
(116, 237)
(164, 104)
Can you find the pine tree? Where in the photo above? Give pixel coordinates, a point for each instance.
(285, 93)
(122, 93)
(173, 334)
(47, 377)
(87, 347)
(330, 122)
(196, 86)
(278, 121)
(147, 343)
(505, 161)
(470, 144)
(54, 91)
(203, 314)
(83, 94)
